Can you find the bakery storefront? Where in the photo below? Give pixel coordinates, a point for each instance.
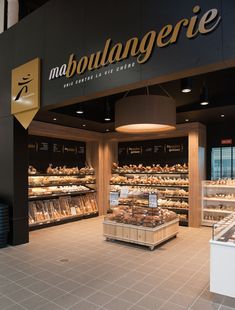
(127, 118)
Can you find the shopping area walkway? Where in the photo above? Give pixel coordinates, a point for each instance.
(73, 267)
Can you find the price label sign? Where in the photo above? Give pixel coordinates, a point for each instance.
(124, 192)
(152, 200)
(113, 197)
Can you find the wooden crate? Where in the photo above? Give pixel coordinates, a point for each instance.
(140, 235)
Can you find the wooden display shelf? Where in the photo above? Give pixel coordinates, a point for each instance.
(146, 236)
(59, 184)
(219, 199)
(51, 196)
(219, 186)
(151, 185)
(217, 211)
(151, 173)
(60, 175)
(63, 220)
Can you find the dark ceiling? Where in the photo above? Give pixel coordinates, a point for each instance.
(221, 93)
(28, 6)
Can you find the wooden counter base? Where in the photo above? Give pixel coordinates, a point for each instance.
(147, 236)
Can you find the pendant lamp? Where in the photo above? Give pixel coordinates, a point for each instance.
(145, 114)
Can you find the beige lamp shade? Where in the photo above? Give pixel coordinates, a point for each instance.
(145, 114)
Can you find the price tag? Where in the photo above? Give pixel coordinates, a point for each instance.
(124, 192)
(73, 211)
(152, 200)
(113, 197)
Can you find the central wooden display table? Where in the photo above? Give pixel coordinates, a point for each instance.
(141, 235)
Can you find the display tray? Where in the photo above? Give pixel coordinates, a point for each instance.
(177, 210)
(219, 199)
(151, 185)
(175, 197)
(158, 173)
(67, 219)
(60, 184)
(60, 175)
(146, 236)
(60, 195)
(217, 211)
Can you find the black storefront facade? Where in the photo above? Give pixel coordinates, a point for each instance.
(92, 49)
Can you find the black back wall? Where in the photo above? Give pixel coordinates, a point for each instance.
(44, 151)
(163, 151)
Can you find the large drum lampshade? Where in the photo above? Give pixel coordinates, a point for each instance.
(145, 114)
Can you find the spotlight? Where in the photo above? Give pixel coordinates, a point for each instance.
(107, 130)
(222, 115)
(204, 99)
(79, 112)
(83, 125)
(186, 85)
(54, 119)
(186, 120)
(107, 117)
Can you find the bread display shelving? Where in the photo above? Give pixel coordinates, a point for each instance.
(170, 183)
(218, 200)
(61, 194)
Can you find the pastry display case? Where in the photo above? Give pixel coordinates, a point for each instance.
(218, 200)
(60, 194)
(171, 185)
(222, 256)
(224, 230)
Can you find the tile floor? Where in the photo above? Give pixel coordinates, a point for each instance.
(73, 267)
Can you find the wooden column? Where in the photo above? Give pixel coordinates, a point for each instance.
(197, 172)
(110, 156)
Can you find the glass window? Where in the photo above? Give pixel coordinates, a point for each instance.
(222, 162)
(215, 163)
(226, 162)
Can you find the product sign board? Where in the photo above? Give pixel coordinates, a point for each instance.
(57, 148)
(124, 192)
(43, 146)
(134, 150)
(153, 200)
(227, 141)
(25, 92)
(162, 151)
(113, 198)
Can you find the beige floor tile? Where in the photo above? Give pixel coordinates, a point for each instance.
(74, 259)
(150, 302)
(100, 298)
(117, 304)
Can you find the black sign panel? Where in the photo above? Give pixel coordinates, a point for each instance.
(68, 32)
(162, 151)
(44, 151)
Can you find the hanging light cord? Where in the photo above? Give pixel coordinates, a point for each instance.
(166, 92)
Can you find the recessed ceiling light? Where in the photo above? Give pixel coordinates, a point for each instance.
(79, 112)
(107, 119)
(83, 125)
(222, 115)
(186, 120)
(54, 119)
(204, 103)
